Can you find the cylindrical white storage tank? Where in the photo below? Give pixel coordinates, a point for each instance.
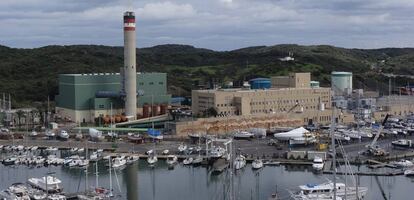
(321, 106)
(341, 83)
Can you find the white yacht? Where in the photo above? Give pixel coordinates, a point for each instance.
(242, 135)
(118, 162)
(20, 191)
(188, 161)
(403, 163)
(239, 162)
(318, 163)
(403, 143)
(49, 183)
(409, 172)
(257, 163)
(171, 160)
(326, 190)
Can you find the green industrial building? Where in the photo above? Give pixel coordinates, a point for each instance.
(83, 97)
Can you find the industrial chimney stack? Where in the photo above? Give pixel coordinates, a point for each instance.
(129, 71)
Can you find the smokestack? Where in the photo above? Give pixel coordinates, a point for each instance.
(129, 72)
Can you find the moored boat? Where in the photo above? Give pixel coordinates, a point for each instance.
(48, 183)
(257, 163)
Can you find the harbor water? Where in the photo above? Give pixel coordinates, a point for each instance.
(138, 181)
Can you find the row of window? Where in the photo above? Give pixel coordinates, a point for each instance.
(151, 83)
(283, 101)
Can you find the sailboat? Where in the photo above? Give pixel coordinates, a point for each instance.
(332, 189)
(239, 162)
(152, 159)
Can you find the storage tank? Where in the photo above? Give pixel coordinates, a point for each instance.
(260, 83)
(164, 108)
(145, 111)
(154, 110)
(341, 83)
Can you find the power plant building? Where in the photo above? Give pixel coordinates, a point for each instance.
(291, 95)
(84, 97)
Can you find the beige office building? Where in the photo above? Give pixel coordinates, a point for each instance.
(297, 98)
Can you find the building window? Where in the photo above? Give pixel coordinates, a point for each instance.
(161, 83)
(141, 83)
(151, 83)
(101, 106)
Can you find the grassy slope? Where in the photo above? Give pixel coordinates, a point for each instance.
(31, 74)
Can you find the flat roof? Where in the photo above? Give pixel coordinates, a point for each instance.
(258, 90)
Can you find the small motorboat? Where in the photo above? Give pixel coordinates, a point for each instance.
(149, 152)
(81, 150)
(172, 160)
(63, 135)
(74, 150)
(243, 135)
(197, 160)
(52, 149)
(34, 148)
(132, 159)
(217, 152)
(50, 134)
(257, 164)
(188, 161)
(33, 134)
(119, 162)
(182, 147)
(239, 162)
(165, 152)
(20, 148)
(10, 160)
(152, 159)
(94, 156)
(79, 136)
(318, 163)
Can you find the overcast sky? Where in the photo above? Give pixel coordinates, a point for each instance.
(214, 24)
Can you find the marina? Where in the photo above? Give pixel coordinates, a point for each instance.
(138, 181)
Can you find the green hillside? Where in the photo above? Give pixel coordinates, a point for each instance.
(31, 74)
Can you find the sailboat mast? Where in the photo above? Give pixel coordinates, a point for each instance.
(96, 175)
(333, 149)
(110, 176)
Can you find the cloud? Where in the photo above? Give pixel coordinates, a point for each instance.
(165, 11)
(216, 24)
